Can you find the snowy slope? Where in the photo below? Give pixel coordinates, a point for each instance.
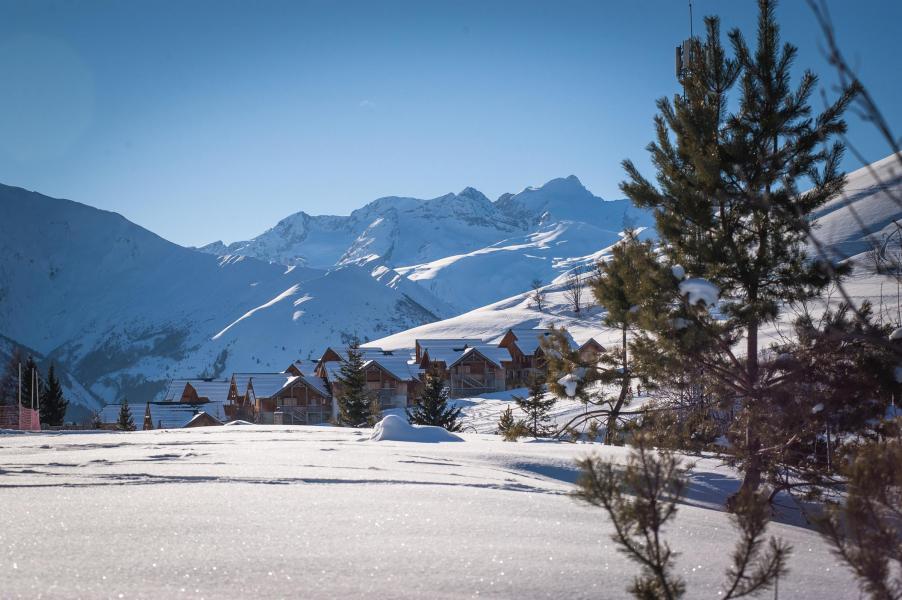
(489, 322)
(483, 276)
(872, 202)
(177, 513)
(122, 309)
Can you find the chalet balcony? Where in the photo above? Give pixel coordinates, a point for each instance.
(474, 385)
(300, 415)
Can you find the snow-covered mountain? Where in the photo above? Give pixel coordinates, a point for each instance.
(119, 310)
(454, 244)
(847, 227)
(122, 309)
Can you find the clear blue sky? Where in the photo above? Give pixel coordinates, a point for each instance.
(205, 120)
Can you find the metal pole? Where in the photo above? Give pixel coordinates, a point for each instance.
(19, 403)
(690, 19)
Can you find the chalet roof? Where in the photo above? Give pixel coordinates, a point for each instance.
(215, 390)
(493, 354)
(399, 366)
(318, 384)
(266, 385)
(528, 339)
(201, 417)
(589, 341)
(447, 350)
(164, 415)
(366, 352)
(395, 362)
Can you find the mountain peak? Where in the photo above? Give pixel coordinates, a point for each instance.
(570, 184)
(473, 194)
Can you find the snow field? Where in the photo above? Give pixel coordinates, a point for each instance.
(321, 512)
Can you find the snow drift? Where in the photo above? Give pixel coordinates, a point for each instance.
(393, 428)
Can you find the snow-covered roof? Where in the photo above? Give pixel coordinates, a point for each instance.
(215, 390)
(398, 365)
(200, 416)
(317, 383)
(164, 415)
(266, 385)
(492, 353)
(447, 350)
(528, 340)
(396, 362)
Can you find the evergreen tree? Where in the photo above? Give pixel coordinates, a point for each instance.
(433, 409)
(643, 496)
(626, 283)
(508, 427)
(53, 403)
(536, 408)
(125, 422)
(32, 383)
(355, 406)
(729, 210)
(9, 381)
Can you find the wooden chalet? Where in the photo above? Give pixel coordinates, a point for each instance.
(290, 397)
(527, 355)
(391, 377)
(468, 366)
(591, 350)
(203, 419)
(197, 391)
(166, 415)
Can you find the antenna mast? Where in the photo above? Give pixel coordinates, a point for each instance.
(690, 20)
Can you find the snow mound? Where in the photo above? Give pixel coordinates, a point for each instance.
(393, 428)
(238, 422)
(700, 290)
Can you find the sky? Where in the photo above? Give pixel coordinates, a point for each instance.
(204, 120)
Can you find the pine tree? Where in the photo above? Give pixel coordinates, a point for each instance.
(729, 210)
(53, 403)
(536, 407)
(355, 406)
(643, 496)
(32, 383)
(125, 422)
(9, 381)
(625, 285)
(433, 408)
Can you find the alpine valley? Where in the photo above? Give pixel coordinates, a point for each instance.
(121, 310)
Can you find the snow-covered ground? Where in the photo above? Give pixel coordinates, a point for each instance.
(320, 512)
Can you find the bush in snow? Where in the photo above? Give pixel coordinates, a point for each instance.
(536, 407)
(642, 498)
(864, 530)
(509, 427)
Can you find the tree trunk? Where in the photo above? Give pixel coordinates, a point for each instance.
(624, 391)
(751, 480)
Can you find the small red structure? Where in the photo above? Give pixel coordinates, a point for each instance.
(18, 417)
